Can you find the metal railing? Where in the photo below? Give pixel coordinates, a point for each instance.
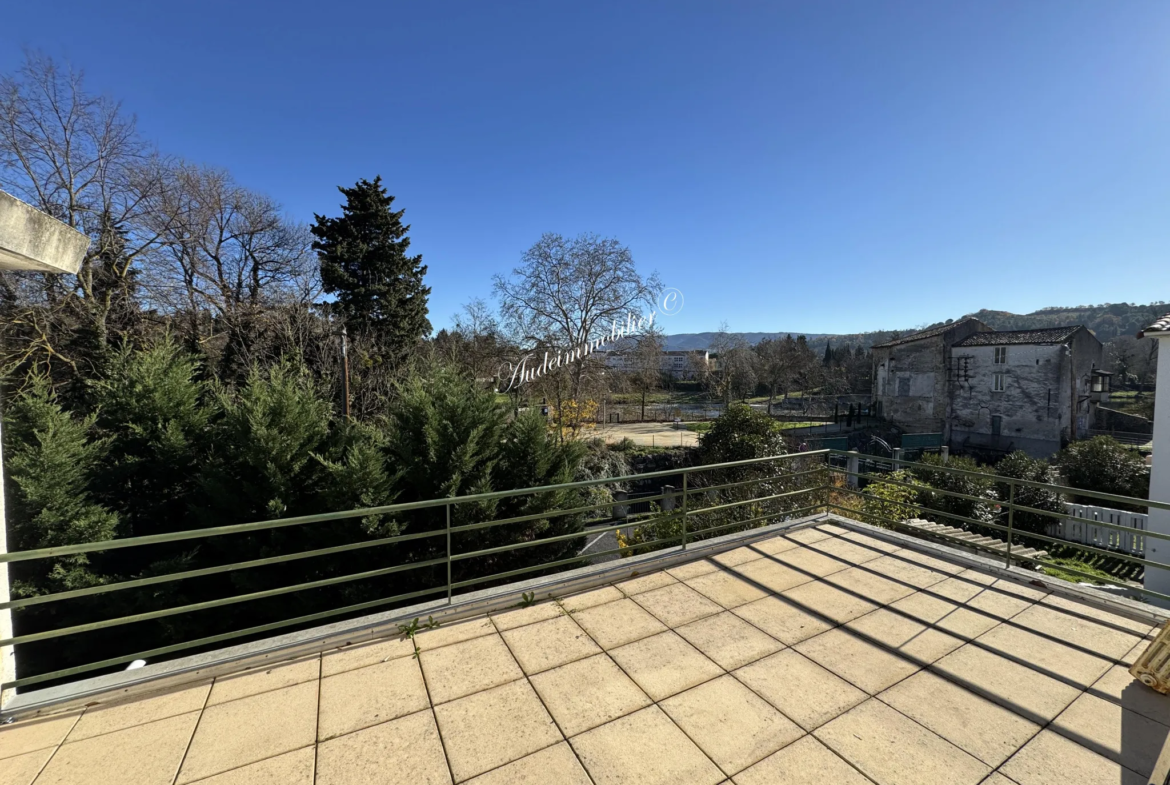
(772, 488)
(1002, 519)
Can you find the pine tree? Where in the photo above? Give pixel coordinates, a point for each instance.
(364, 263)
(51, 460)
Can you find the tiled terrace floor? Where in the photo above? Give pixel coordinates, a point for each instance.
(821, 657)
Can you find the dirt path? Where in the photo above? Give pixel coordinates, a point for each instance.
(649, 434)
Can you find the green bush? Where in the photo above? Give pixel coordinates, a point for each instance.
(946, 509)
(892, 502)
(1020, 466)
(1105, 465)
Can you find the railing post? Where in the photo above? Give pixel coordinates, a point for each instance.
(448, 506)
(897, 458)
(945, 453)
(684, 511)
(1011, 518)
(7, 653)
(852, 468)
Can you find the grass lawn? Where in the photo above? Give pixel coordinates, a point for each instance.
(698, 427)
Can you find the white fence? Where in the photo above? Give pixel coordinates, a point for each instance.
(1080, 528)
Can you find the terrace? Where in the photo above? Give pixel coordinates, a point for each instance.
(811, 648)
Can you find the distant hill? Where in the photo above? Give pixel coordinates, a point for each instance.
(1107, 321)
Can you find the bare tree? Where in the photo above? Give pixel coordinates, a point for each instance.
(645, 363)
(77, 157)
(569, 291)
(735, 371)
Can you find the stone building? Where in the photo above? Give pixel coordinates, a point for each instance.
(910, 375)
(1030, 390)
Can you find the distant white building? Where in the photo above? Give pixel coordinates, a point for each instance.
(681, 365)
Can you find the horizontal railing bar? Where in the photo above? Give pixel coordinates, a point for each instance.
(178, 576)
(220, 638)
(1006, 505)
(155, 539)
(210, 604)
(1029, 483)
(551, 514)
(708, 488)
(1050, 565)
(704, 510)
(1017, 531)
(560, 563)
(771, 516)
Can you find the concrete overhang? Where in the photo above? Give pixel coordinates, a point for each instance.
(32, 240)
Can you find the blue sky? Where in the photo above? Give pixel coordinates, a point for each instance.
(816, 166)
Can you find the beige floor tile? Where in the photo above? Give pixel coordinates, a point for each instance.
(591, 598)
(1107, 729)
(872, 542)
(692, 569)
(1109, 619)
(737, 556)
(1051, 759)
(771, 576)
(944, 615)
(137, 711)
(291, 768)
(910, 567)
(986, 730)
(556, 765)
(644, 748)
(997, 603)
(406, 751)
(360, 698)
(728, 640)
(961, 587)
(1025, 691)
(142, 755)
(774, 545)
(643, 583)
(829, 602)
(797, 686)
(677, 604)
(548, 644)
(618, 623)
(804, 762)
(258, 680)
(1119, 686)
(359, 655)
(783, 620)
(1034, 593)
(871, 667)
(518, 617)
(997, 779)
(852, 552)
(447, 634)
(726, 588)
(813, 564)
(250, 729)
(1049, 656)
(463, 668)
(808, 535)
(35, 733)
(494, 727)
(729, 722)
(1068, 626)
(874, 587)
(922, 643)
(588, 693)
(23, 769)
(664, 664)
(891, 749)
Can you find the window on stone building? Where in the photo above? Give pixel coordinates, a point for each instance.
(904, 386)
(999, 382)
(1001, 355)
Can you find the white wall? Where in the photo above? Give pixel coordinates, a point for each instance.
(1159, 550)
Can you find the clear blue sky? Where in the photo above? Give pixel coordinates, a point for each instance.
(815, 166)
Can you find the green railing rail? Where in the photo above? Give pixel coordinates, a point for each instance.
(1004, 517)
(690, 499)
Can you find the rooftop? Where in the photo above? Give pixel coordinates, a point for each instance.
(931, 332)
(1160, 326)
(1008, 337)
(829, 653)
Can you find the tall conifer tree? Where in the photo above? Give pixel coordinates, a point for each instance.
(365, 264)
